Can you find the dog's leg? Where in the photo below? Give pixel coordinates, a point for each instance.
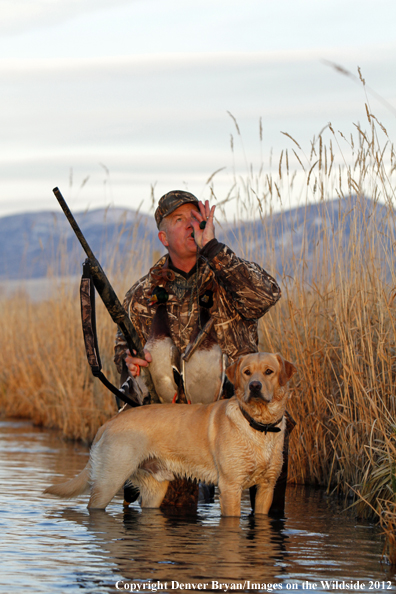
(113, 462)
(106, 484)
(152, 492)
(230, 499)
(264, 495)
(102, 494)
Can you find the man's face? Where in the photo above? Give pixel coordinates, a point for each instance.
(177, 234)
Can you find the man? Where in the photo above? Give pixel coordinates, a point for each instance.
(197, 272)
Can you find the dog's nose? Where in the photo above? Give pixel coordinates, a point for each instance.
(255, 386)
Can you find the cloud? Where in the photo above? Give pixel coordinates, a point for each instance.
(19, 16)
(175, 100)
(163, 118)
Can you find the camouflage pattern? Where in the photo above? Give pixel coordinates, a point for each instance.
(170, 201)
(237, 292)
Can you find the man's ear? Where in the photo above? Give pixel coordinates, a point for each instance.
(232, 372)
(163, 239)
(286, 370)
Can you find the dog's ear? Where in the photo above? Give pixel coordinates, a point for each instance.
(286, 370)
(232, 371)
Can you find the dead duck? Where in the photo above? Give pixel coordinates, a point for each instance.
(165, 365)
(203, 371)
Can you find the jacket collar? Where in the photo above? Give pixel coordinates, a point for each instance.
(163, 272)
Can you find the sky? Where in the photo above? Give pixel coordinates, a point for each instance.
(111, 100)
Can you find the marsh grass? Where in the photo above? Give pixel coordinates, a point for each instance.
(45, 376)
(336, 320)
(44, 372)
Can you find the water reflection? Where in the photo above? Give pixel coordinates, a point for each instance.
(194, 548)
(49, 545)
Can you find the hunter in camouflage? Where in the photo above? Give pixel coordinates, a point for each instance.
(236, 292)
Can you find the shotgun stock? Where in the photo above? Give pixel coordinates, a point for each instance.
(108, 295)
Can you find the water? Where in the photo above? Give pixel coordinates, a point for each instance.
(49, 546)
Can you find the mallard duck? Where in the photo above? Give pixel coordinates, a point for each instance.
(165, 365)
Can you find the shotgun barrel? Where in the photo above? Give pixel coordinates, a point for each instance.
(108, 295)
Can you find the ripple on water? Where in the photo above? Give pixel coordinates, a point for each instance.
(51, 546)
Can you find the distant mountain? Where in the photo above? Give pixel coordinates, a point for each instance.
(33, 244)
(288, 243)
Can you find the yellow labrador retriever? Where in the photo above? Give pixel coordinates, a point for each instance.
(233, 443)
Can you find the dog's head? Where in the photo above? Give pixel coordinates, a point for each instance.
(259, 376)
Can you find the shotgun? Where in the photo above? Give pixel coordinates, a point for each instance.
(108, 295)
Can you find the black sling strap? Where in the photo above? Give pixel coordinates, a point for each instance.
(88, 318)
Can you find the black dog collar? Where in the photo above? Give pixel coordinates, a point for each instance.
(263, 428)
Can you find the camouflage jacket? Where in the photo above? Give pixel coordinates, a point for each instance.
(236, 292)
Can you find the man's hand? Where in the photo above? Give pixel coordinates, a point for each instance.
(135, 363)
(205, 214)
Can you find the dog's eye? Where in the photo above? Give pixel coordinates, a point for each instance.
(247, 372)
(268, 371)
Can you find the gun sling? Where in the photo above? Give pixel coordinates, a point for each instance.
(88, 318)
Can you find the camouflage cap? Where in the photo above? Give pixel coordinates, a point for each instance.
(170, 201)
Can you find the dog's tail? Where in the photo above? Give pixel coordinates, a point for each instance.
(78, 485)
